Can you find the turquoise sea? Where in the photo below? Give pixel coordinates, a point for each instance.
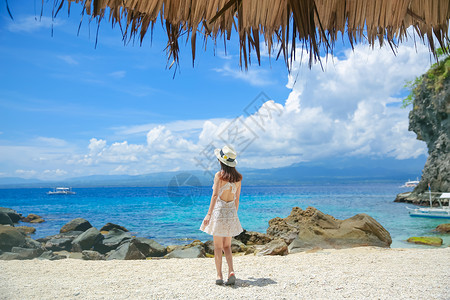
(174, 217)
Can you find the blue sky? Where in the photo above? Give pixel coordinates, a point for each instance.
(69, 109)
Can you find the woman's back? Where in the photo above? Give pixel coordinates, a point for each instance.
(227, 190)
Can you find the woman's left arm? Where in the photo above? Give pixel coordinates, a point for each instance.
(238, 193)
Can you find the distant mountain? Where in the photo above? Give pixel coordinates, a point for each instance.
(331, 170)
(340, 169)
(17, 180)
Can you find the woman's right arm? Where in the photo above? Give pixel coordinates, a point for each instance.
(213, 199)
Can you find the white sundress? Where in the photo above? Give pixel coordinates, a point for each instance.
(224, 218)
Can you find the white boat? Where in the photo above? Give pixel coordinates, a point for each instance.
(61, 191)
(411, 183)
(433, 212)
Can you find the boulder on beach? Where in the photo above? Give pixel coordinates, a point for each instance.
(66, 235)
(109, 226)
(127, 251)
(444, 228)
(209, 247)
(78, 224)
(253, 238)
(170, 248)
(26, 229)
(112, 240)
(191, 252)
(12, 214)
(10, 256)
(88, 239)
(10, 237)
(237, 246)
(33, 218)
(150, 248)
(275, 247)
(92, 255)
(5, 219)
(426, 240)
(50, 256)
(310, 228)
(59, 244)
(26, 253)
(32, 244)
(68, 254)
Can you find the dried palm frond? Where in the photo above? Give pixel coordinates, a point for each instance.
(316, 24)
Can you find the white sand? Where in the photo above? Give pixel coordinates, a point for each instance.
(358, 273)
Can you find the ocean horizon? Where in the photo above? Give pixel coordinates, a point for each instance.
(172, 215)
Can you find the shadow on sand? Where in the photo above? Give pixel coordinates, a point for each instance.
(251, 281)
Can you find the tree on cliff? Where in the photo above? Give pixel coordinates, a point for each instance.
(429, 119)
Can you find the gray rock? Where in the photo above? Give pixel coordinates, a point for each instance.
(33, 218)
(253, 238)
(237, 246)
(10, 256)
(59, 244)
(110, 226)
(25, 253)
(209, 247)
(444, 228)
(192, 252)
(10, 237)
(275, 247)
(32, 244)
(429, 119)
(92, 255)
(126, 251)
(5, 219)
(170, 248)
(66, 235)
(67, 254)
(12, 214)
(50, 256)
(26, 229)
(88, 239)
(112, 240)
(78, 224)
(150, 248)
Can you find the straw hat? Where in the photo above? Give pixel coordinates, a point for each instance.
(227, 155)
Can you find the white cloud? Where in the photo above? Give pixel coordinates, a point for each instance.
(343, 111)
(254, 76)
(180, 126)
(26, 173)
(49, 141)
(32, 23)
(53, 173)
(347, 110)
(68, 59)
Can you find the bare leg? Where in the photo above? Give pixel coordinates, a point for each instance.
(218, 248)
(228, 254)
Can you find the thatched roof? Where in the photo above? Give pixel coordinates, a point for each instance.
(315, 24)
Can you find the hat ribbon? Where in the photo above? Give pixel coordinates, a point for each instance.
(228, 159)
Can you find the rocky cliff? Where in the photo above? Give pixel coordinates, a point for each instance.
(429, 119)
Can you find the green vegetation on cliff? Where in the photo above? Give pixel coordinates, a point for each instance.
(434, 79)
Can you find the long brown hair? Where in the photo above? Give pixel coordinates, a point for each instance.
(229, 174)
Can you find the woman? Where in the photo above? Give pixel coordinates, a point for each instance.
(222, 221)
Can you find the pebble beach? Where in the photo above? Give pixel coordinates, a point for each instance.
(356, 273)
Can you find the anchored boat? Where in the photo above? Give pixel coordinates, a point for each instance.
(433, 212)
(411, 183)
(61, 191)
